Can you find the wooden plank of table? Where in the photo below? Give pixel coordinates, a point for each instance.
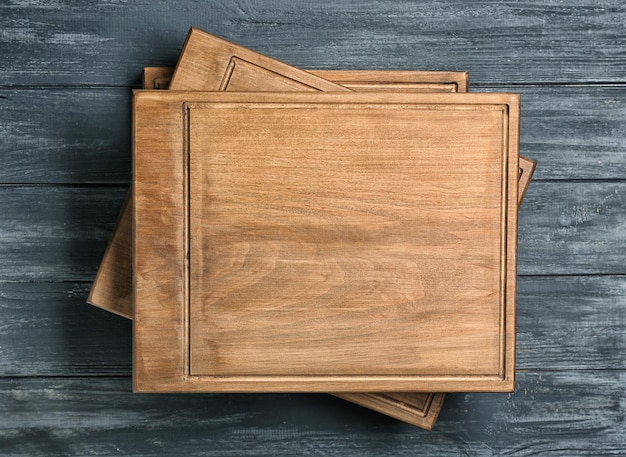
(86, 141)
(503, 43)
(237, 370)
(61, 235)
(565, 413)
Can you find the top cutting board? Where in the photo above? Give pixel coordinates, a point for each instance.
(325, 242)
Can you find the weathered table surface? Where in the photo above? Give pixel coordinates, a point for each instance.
(67, 71)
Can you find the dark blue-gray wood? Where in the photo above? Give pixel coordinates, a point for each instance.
(67, 71)
(102, 42)
(554, 413)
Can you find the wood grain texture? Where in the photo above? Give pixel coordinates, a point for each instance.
(584, 325)
(158, 282)
(572, 228)
(55, 233)
(417, 408)
(112, 285)
(397, 81)
(526, 170)
(87, 140)
(555, 413)
(47, 331)
(208, 62)
(317, 223)
(502, 42)
(573, 132)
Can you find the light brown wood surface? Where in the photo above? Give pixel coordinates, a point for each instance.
(526, 171)
(357, 80)
(418, 408)
(415, 257)
(208, 62)
(111, 289)
(397, 80)
(419, 412)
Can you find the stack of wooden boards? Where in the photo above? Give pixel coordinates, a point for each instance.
(352, 232)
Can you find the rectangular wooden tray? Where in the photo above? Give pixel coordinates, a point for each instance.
(391, 259)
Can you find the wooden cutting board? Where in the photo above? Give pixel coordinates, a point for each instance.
(111, 289)
(360, 80)
(343, 249)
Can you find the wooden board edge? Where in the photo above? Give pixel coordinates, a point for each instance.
(393, 407)
(160, 77)
(527, 169)
(104, 292)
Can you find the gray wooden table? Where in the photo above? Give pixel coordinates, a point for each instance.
(66, 70)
